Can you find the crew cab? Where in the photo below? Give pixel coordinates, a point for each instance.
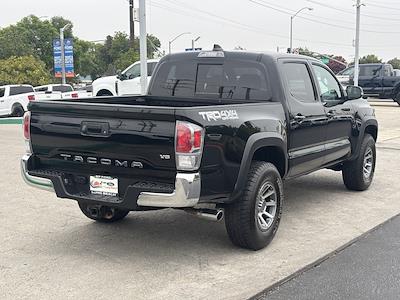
(215, 136)
(377, 80)
(125, 83)
(14, 99)
(59, 91)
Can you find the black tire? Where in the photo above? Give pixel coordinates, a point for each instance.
(17, 110)
(397, 98)
(104, 93)
(353, 174)
(241, 218)
(104, 214)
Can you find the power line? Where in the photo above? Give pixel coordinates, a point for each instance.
(352, 13)
(240, 25)
(382, 6)
(288, 12)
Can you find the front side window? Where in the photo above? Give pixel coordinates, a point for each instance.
(299, 81)
(133, 72)
(387, 71)
(23, 89)
(329, 87)
(236, 80)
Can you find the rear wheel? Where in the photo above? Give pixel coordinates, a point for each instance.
(397, 98)
(101, 213)
(104, 93)
(17, 110)
(252, 221)
(358, 174)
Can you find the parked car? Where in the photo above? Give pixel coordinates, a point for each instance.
(396, 72)
(377, 80)
(59, 91)
(344, 76)
(216, 135)
(14, 99)
(125, 83)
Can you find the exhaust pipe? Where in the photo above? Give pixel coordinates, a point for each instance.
(207, 214)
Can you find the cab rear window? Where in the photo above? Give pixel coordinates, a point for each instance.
(236, 80)
(17, 90)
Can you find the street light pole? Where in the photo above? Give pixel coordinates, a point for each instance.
(357, 43)
(143, 46)
(171, 41)
(63, 78)
(291, 25)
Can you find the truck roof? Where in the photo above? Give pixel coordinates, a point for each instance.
(237, 54)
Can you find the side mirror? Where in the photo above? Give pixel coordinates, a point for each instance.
(120, 76)
(354, 92)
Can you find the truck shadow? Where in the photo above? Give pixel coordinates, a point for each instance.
(175, 235)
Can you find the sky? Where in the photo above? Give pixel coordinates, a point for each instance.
(232, 23)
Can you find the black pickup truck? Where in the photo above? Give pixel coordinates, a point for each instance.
(377, 80)
(215, 136)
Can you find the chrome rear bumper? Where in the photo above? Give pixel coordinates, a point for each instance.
(186, 192)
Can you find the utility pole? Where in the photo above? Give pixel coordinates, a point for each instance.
(143, 46)
(131, 23)
(357, 43)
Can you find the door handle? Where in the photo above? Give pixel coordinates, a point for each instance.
(330, 114)
(299, 117)
(95, 129)
(345, 109)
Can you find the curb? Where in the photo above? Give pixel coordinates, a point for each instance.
(10, 120)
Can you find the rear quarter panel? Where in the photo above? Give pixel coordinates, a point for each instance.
(227, 131)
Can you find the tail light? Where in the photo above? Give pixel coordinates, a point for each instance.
(74, 95)
(189, 140)
(27, 131)
(31, 97)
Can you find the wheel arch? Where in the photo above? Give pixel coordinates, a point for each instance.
(269, 147)
(104, 92)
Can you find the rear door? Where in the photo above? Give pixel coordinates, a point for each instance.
(340, 114)
(307, 118)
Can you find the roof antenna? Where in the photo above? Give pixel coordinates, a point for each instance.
(217, 48)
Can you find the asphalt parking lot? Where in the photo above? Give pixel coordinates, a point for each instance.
(48, 249)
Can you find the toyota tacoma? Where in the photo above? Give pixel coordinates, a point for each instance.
(216, 135)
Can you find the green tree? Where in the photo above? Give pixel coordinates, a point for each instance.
(395, 62)
(370, 59)
(23, 70)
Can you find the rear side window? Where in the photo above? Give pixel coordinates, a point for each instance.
(17, 90)
(62, 88)
(236, 80)
(2, 92)
(299, 81)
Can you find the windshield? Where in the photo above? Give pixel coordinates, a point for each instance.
(347, 72)
(237, 80)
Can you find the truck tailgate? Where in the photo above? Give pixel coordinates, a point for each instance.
(104, 139)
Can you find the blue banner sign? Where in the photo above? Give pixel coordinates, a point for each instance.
(69, 57)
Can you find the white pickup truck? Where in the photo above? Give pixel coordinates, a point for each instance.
(14, 99)
(125, 83)
(59, 91)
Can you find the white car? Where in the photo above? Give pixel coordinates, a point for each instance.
(14, 99)
(58, 91)
(126, 83)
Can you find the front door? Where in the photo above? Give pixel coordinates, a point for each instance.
(307, 118)
(339, 112)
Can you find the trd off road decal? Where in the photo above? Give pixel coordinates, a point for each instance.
(219, 115)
